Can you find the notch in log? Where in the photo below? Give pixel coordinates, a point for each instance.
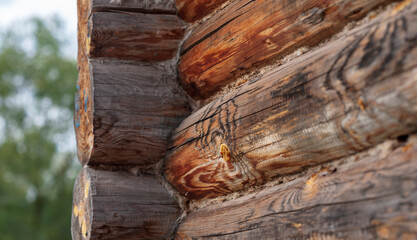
(340, 99)
(134, 32)
(125, 112)
(249, 34)
(372, 198)
(116, 205)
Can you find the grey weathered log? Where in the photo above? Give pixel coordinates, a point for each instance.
(134, 30)
(372, 197)
(125, 112)
(117, 205)
(145, 6)
(340, 99)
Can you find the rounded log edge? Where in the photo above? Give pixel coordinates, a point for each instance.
(118, 205)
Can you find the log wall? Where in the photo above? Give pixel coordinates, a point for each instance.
(127, 103)
(249, 34)
(372, 197)
(340, 99)
(334, 108)
(128, 98)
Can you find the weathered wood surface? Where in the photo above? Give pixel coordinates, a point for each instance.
(134, 36)
(145, 6)
(340, 99)
(125, 112)
(372, 198)
(116, 205)
(193, 10)
(126, 32)
(248, 34)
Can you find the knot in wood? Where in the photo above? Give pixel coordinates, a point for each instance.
(225, 152)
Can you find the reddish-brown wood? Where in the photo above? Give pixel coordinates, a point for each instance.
(193, 10)
(117, 205)
(248, 34)
(374, 197)
(125, 112)
(335, 101)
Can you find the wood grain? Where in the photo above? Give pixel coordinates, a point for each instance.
(372, 198)
(249, 34)
(338, 100)
(193, 10)
(116, 205)
(135, 30)
(125, 112)
(145, 6)
(134, 36)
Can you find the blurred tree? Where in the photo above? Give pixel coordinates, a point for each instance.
(37, 166)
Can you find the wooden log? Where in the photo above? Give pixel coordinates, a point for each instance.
(134, 36)
(134, 30)
(248, 34)
(125, 112)
(116, 205)
(372, 198)
(147, 6)
(192, 10)
(338, 100)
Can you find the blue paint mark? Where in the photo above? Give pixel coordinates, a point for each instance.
(78, 87)
(77, 123)
(85, 102)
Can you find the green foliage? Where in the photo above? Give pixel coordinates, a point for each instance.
(37, 170)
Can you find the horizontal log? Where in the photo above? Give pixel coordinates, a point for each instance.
(125, 112)
(374, 197)
(116, 205)
(146, 6)
(340, 99)
(134, 36)
(128, 31)
(248, 34)
(193, 10)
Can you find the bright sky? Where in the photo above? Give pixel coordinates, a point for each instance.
(12, 11)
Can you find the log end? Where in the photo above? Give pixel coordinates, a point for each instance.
(83, 116)
(81, 205)
(118, 205)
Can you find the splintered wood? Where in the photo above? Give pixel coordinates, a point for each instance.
(338, 100)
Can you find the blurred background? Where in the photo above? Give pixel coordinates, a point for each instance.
(37, 142)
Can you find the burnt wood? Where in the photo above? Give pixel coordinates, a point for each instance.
(125, 112)
(116, 205)
(134, 30)
(249, 34)
(193, 10)
(340, 99)
(374, 197)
